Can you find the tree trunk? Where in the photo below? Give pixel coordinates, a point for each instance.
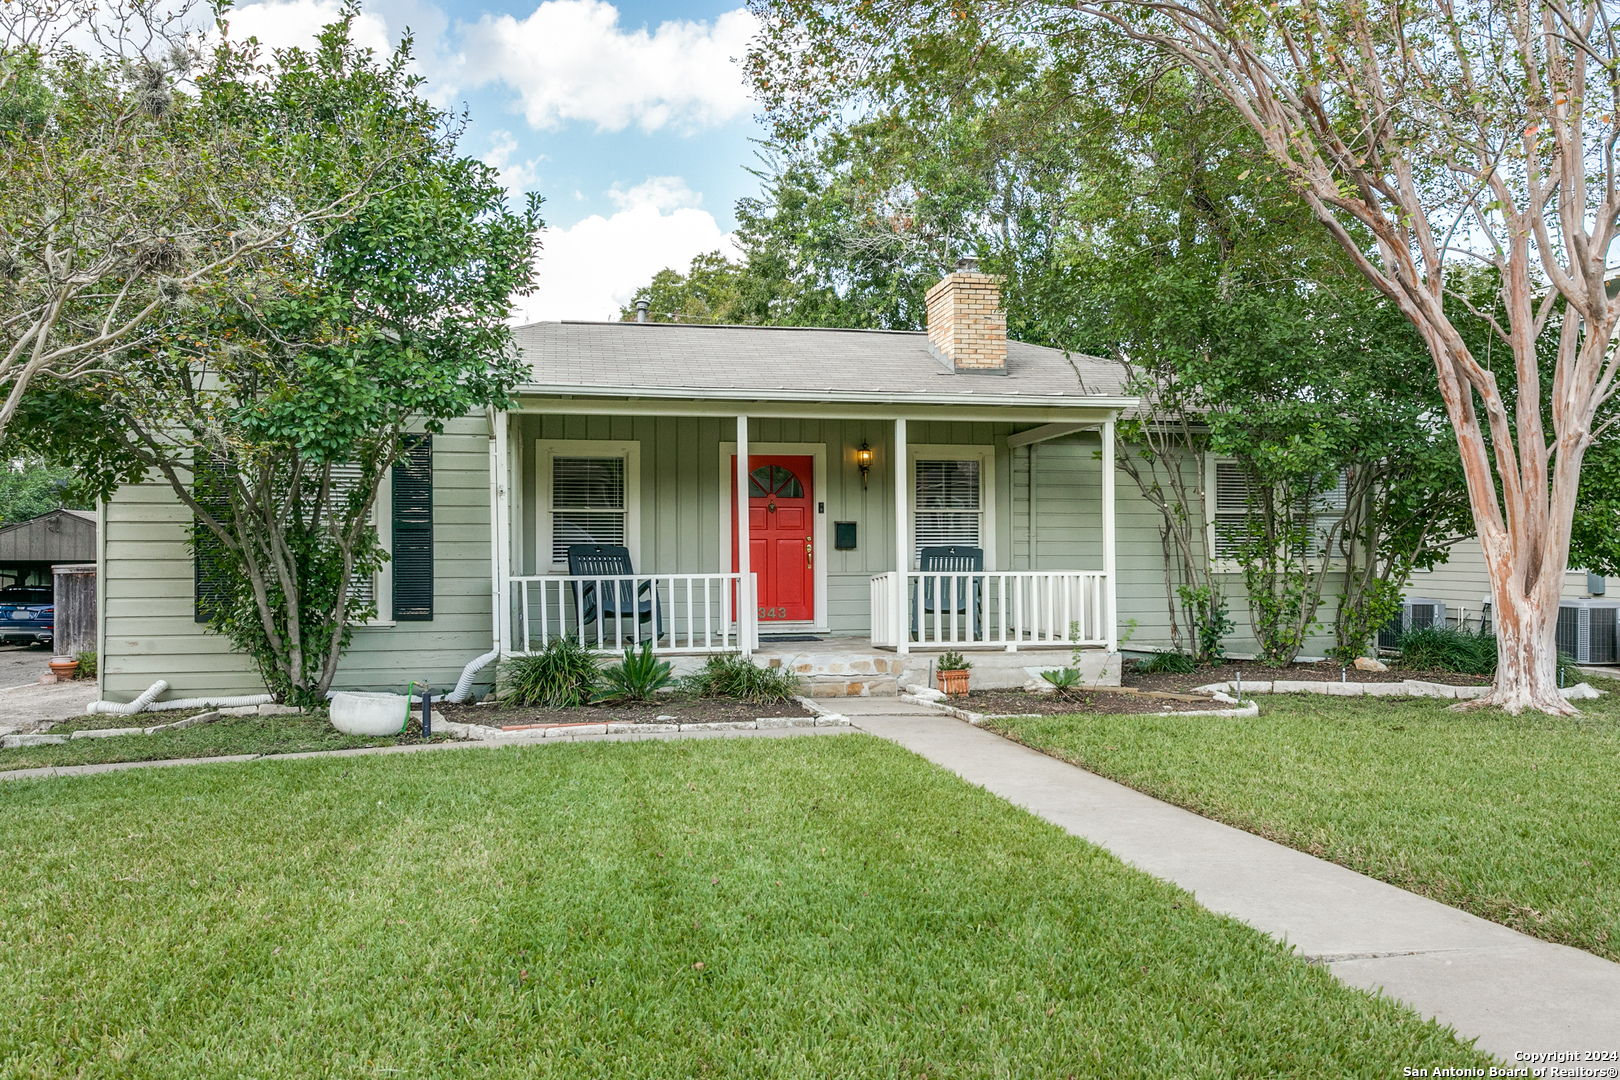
(1526, 649)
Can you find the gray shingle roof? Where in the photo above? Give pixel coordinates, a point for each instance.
(701, 361)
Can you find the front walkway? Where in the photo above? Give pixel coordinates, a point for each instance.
(1511, 992)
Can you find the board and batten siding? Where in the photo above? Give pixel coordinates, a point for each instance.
(148, 632)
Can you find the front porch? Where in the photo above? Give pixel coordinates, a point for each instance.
(815, 522)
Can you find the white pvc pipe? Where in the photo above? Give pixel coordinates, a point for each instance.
(145, 702)
(464, 684)
(216, 702)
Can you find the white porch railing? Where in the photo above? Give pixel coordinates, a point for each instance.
(989, 609)
(678, 613)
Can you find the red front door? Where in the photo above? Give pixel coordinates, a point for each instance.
(780, 535)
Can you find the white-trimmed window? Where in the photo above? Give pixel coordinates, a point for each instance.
(1234, 516)
(377, 587)
(1234, 519)
(589, 493)
(951, 498)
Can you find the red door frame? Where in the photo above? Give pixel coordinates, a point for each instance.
(781, 539)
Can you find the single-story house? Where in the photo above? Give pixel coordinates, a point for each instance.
(848, 502)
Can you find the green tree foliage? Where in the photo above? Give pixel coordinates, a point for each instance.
(707, 293)
(1594, 541)
(1132, 215)
(30, 487)
(274, 404)
(127, 195)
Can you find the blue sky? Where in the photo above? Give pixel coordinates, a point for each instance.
(631, 118)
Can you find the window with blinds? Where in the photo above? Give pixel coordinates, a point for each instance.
(1233, 515)
(949, 509)
(587, 503)
(1236, 519)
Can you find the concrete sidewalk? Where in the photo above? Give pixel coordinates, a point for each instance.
(1510, 992)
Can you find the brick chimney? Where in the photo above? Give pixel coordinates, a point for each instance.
(966, 326)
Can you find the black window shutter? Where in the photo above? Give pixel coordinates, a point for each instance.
(413, 531)
(209, 576)
(210, 585)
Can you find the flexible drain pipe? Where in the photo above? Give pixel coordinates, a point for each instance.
(463, 688)
(145, 702)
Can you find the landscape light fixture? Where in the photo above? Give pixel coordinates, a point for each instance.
(863, 460)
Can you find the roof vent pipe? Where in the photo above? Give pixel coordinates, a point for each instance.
(641, 310)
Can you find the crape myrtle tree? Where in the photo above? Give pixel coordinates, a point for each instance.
(127, 185)
(1451, 131)
(274, 403)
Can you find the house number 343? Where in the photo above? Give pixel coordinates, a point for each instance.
(773, 612)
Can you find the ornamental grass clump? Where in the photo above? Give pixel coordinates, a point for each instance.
(562, 675)
(1167, 663)
(733, 675)
(1466, 652)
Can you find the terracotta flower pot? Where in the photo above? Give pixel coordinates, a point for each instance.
(64, 667)
(954, 683)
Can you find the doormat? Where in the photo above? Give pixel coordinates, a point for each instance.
(788, 637)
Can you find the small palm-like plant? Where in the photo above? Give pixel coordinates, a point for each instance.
(637, 677)
(1065, 681)
(560, 676)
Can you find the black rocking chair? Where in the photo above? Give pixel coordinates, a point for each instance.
(634, 602)
(936, 560)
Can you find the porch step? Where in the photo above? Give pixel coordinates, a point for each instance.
(839, 673)
(851, 668)
(832, 686)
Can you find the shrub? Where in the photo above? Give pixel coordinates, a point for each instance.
(954, 661)
(1467, 652)
(1437, 648)
(1167, 663)
(559, 676)
(637, 677)
(87, 664)
(733, 675)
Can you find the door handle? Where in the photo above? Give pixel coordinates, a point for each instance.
(809, 554)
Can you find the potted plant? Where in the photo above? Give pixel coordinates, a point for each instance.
(953, 674)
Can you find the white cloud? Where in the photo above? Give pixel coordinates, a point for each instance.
(571, 61)
(593, 268)
(280, 24)
(517, 177)
(662, 192)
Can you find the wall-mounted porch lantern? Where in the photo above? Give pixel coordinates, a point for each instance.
(863, 461)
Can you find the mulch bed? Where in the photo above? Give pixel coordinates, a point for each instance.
(1321, 672)
(684, 710)
(1024, 703)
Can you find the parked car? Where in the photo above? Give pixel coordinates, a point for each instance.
(27, 615)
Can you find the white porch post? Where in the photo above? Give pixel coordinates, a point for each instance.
(902, 548)
(1110, 564)
(500, 530)
(746, 603)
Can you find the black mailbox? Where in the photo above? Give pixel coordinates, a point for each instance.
(844, 536)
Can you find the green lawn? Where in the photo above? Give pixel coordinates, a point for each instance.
(1514, 819)
(829, 906)
(224, 737)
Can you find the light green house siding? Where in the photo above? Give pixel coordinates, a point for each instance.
(1046, 515)
(148, 630)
